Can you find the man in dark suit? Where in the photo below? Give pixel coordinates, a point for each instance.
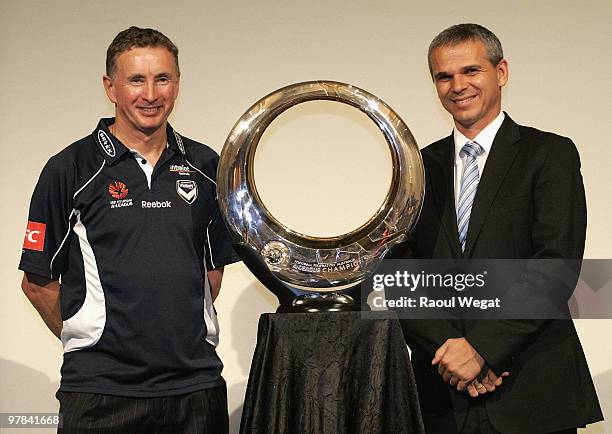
(495, 189)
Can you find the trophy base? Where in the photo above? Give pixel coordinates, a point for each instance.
(331, 302)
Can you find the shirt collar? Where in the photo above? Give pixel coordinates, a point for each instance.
(484, 138)
(175, 142)
(112, 148)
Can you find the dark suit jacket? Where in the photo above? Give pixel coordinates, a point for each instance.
(530, 203)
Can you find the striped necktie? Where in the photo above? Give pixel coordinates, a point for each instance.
(469, 184)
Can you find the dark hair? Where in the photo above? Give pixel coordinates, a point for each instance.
(135, 37)
(468, 32)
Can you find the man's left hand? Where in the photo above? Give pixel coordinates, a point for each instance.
(486, 382)
(457, 361)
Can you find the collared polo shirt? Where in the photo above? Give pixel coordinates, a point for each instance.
(131, 248)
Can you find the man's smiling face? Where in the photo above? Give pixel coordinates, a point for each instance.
(468, 85)
(143, 87)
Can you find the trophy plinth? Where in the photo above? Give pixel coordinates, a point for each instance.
(332, 302)
(306, 273)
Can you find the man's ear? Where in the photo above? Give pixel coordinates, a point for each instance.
(109, 88)
(502, 72)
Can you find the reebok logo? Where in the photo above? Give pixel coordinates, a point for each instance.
(156, 204)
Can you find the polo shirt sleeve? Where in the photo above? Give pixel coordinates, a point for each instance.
(45, 242)
(219, 251)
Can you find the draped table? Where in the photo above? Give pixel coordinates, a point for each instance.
(336, 373)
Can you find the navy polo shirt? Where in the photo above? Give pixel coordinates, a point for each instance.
(131, 245)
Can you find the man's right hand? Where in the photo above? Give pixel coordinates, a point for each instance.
(458, 361)
(44, 294)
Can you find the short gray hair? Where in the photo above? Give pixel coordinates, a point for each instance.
(468, 32)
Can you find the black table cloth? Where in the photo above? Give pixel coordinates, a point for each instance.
(336, 373)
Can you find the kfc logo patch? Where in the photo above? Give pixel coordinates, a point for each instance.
(118, 190)
(35, 236)
(187, 190)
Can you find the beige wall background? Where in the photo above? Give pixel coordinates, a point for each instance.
(232, 54)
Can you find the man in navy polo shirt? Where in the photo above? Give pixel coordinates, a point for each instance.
(123, 258)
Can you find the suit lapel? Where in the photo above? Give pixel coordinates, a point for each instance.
(498, 162)
(442, 182)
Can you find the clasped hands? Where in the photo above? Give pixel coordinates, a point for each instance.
(462, 367)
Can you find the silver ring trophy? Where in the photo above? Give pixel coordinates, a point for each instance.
(308, 273)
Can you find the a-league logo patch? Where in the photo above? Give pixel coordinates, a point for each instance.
(118, 190)
(187, 189)
(35, 236)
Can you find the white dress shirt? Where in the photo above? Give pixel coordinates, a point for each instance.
(484, 139)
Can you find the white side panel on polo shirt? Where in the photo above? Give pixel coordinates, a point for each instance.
(84, 328)
(210, 317)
